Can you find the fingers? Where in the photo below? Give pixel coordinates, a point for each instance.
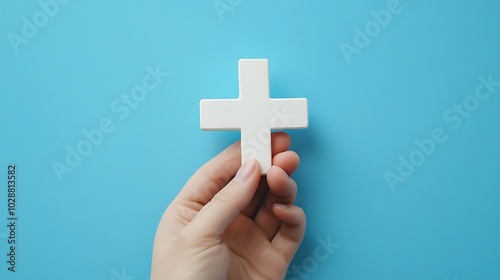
(251, 210)
(216, 173)
(280, 142)
(282, 190)
(286, 160)
(214, 218)
(292, 230)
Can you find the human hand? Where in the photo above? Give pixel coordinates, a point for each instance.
(227, 226)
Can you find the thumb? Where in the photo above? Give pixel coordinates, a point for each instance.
(218, 213)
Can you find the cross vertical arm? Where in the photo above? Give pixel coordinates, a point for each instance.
(256, 144)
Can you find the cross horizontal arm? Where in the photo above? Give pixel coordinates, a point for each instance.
(220, 114)
(288, 113)
(254, 113)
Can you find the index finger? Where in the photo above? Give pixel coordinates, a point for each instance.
(216, 173)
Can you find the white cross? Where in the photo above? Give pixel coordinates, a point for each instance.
(254, 112)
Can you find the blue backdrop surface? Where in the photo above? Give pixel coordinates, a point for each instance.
(400, 164)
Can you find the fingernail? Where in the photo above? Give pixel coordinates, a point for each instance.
(281, 206)
(245, 171)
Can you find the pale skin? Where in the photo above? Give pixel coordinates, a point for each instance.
(228, 222)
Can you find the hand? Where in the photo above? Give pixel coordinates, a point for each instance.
(227, 226)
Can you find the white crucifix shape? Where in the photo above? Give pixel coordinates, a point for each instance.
(254, 112)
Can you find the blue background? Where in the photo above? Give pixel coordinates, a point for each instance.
(442, 222)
